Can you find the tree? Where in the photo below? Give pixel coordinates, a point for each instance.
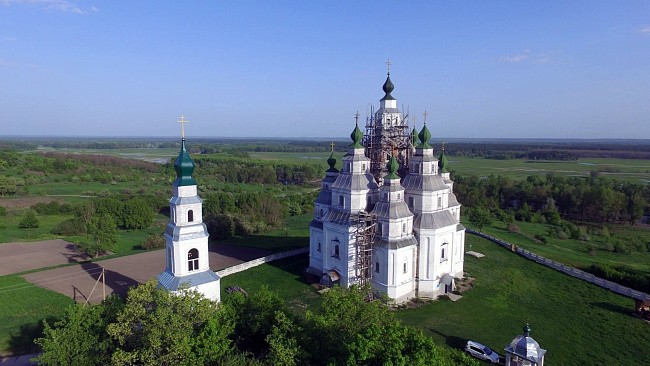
(29, 220)
(103, 234)
(254, 318)
(79, 338)
(152, 327)
(480, 217)
(283, 346)
(220, 226)
(349, 329)
(159, 328)
(137, 214)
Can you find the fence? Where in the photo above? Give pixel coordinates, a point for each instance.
(571, 271)
(256, 262)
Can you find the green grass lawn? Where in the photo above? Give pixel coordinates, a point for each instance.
(10, 232)
(576, 322)
(23, 307)
(573, 252)
(283, 277)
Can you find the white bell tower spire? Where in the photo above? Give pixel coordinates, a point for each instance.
(186, 236)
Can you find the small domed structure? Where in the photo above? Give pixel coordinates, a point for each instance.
(524, 351)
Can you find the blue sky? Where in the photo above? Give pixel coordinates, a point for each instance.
(511, 69)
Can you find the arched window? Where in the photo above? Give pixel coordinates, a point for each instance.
(399, 196)
(404, 267)
(404, 227)
(341, 201)
(169, 259)
(379, 229)
(439, 202)
(377, 267)
(336, 250)
(193, 260)
(411, 202)
(319, 246)
(190, 216)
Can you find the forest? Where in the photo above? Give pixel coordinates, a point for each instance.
(154, 327)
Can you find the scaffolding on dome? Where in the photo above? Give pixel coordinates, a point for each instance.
(382, 139)
(364, 233)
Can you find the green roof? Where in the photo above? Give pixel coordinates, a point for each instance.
(392, 168)
(443, 163)
(425, 136)
(415, 140)
(184, 167)
(388, 88)
(332, 162)
(356, 137)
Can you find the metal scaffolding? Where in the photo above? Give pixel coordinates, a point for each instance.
(385, 138)
(364, 233)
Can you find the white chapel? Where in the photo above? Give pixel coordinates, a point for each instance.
(186, 236)
(389, 217)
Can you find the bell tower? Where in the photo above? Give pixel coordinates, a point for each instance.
(186, 236)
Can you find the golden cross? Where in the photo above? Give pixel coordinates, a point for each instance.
(182, 121)
(388, 63)
(356, 118)
(425, 114)
(332, 145)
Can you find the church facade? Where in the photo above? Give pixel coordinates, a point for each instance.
(389, 217)
(186, 236)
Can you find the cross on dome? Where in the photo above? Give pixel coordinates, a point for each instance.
(356, 118)
(425, 114)
(388, 63)
(182, 121)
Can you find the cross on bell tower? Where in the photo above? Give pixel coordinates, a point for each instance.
(182, 121)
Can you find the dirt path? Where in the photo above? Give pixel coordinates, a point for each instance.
(21, 257)
(121, 273)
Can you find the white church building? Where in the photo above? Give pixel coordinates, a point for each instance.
(389, 217)
(186, 236)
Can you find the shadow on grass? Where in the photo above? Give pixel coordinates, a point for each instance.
(451, 341)
(22, 342)
(615, 308)
(295, 265)
(271, 243)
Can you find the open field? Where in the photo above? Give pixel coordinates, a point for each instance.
(576, 322)
(573, 252)
(628, 169)
(637, 170)
(156, 155)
